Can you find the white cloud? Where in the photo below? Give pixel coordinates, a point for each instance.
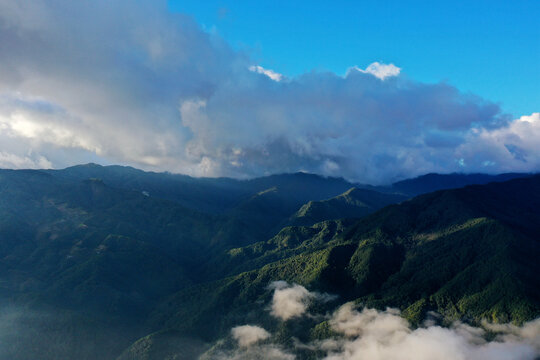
(530, 332)
(41, 122)
(375, 335)
(292, 300)
(289, 301)
(370, 334)
(514, 147)
(381, 71)
(348, 321)
(134, 84)
(110, 76)
(358, 127)
(247, 335)
(270, 73)
(12, 161)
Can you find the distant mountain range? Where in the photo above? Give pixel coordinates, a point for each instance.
(97, 257)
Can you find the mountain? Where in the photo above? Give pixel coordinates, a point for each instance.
(468, 253)
(79, 260)
(213, 195)
(253, 210)
(353, 203)
(432, 182)
(263, 214)
(219, 195)
(97, 248)
(99, 262)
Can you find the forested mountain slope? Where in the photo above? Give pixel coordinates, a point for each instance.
(97, 257)
(468, 253)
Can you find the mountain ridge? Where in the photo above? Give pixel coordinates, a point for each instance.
(106, 256)
(364, 250)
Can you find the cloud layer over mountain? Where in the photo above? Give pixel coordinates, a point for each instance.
(118, 82)
(369, 334)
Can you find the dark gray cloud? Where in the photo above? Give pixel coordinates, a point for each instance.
(125, 82)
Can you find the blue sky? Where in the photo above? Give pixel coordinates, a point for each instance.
(489, 48)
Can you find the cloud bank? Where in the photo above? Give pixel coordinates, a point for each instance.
(292, 300)
(289, 301)
(247, 335)
(378, 335)
(370, 334)
(118, 82)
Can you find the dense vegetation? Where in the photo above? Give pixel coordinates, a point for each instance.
(98, 257)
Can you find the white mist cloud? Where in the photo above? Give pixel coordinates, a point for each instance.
(11, 161)
(381, 71)
(289, 301)
(263, 352)
(292, 300)
(384, 335)
(530, 332)
(370, 334)
(348, 321)
(270, 73)
(247, 335)
(513, 147)
(115, 81)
